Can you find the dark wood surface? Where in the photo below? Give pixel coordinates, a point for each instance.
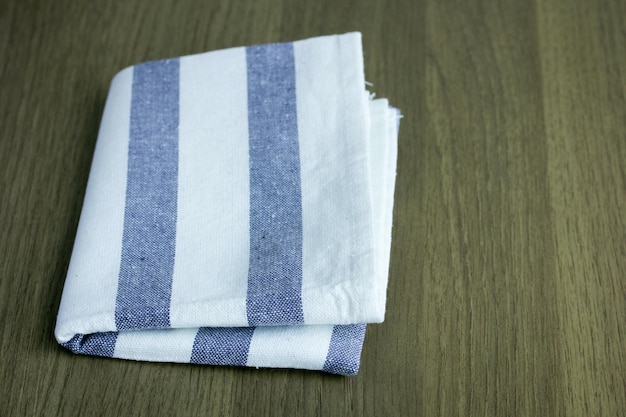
(507, 291)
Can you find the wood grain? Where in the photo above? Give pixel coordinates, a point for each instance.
(507, 291)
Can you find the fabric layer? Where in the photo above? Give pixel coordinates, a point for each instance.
(238, 211)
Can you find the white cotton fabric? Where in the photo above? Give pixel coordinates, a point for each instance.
(348, 151)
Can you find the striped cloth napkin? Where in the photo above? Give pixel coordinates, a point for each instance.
(238, 211)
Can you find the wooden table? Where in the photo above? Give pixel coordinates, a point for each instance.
(507, 292)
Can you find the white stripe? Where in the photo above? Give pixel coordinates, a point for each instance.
(169, 345)
(212, 236)
(88, 303)
(333, 127)
(290, 346)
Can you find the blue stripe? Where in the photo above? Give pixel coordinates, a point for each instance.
(149, 237)
(275, 270)
(97, 344)
(222, 346)
(344, 352)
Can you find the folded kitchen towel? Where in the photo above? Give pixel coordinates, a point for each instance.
(238, 211)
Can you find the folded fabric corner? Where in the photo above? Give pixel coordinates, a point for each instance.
(238, 211)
